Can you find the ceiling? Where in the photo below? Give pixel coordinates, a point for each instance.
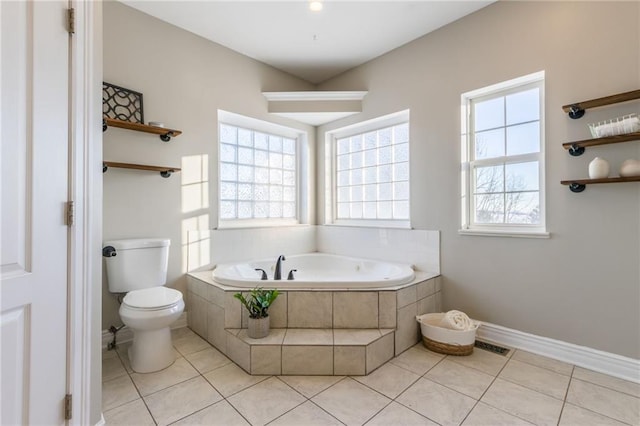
(314, 46)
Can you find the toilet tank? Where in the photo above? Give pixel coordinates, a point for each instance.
(137, 263)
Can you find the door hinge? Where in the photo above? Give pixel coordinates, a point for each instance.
(68, 399)
(71, 20)
(70, 214)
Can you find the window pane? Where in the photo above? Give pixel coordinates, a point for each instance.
(384, 137)
(523, 138)
(385, 210)
(523, 207)
(244, 210)
(228, 191)
(401, 152)
(343, 210)
(227, 209)
(489, 179)
(229, 171)
(401, 191)
(289, 146)
(261, 158)
(260, 141)
(288, 194)
(370, 157)
(401, 171)
(288, 162)
(356, 193)
(356, 160)
(245, 174)
(261, 192)
(356, 177)
(489, 208)
(401, 133)
(262, 175)
(356, 143)
(275, 143)
(261, 210)
(275, 193)
(401, 210)
(344, 194)
(385, 191)
(523, 106)
(370, 174)
(343, 146)
(384, 155)
(275, 176)
(228, 134)
(275, 209)
(288, 178)
(384, 173)
(522, 176)
(369, 210)
(245, 191)
(489, 144)
(288, 210)
(489, 114)
(356, 211)
(245, 156)
(370, 140)
(343, 178)
(344, 162)
(370, 192)
(245, 137)
(228, 152)
(275, 160)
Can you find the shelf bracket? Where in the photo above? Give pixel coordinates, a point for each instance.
(166, 137)
(166, 173)
(577, 187)
(104, 125)
(576, 112)
(104, 168)
(576, 151)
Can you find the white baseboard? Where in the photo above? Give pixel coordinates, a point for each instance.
(102, 421)
(125, 334)
(582, 356)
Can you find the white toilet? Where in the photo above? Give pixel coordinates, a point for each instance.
(138, 267)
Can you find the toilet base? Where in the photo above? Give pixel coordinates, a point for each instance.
(151, 350)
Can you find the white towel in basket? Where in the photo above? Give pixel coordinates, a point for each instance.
(456, 320)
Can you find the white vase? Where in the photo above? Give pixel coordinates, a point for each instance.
(630, 168)
(258, 327)
(598, 168)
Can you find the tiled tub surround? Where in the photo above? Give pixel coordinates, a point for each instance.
(314, 331)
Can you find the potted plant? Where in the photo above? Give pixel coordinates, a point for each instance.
(257, 303)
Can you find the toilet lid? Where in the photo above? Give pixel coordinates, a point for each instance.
(152, 298)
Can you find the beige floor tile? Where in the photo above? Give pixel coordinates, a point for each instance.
(306, 336)
(106, 353)
(468, 381)
(390, 380)
(573, 416)
(131, 413)
(265, 401)
(190, 343)
(118, 391)
(614, 404)
(437, 402)
(416, 360)
(207, 360)
(310, 386)
(307, 414)
(181, 400)
(396, 414)
(539, 408)
(219, 414)
(484, 361)
(544, 362)
(122, 349)
(112, 367)
(231, 379)
(351, 402)
(178, 333)
(179, 371)
(607, 381)
(536, 378)
(485, 415)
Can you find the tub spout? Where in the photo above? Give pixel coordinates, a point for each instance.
(277, 275)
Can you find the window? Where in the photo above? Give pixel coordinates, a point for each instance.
(370, 173)
(258, 179)
(503, 159)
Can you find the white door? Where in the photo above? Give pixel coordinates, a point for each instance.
(34, 159)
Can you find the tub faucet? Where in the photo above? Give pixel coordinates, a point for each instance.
(277, 275)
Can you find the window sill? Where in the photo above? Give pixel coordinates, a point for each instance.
(370, 224)
(508, 234)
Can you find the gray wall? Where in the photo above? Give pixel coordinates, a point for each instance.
(583, 284)
(185, 80)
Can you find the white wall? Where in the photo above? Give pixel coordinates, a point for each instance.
(583, 284)
(185, 80)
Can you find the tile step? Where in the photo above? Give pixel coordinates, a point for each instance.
(296, 351)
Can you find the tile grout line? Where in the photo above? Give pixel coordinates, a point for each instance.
(137, 389)
(566, 394)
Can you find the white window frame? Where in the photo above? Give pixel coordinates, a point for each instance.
(331, 138)
(468, 226)
(302, 171)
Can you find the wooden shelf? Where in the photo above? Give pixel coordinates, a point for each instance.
(576, 110)
(164, 171)
(577, 147)
(578, 185)
(164, 133)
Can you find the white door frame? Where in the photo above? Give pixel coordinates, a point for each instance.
(85, 239)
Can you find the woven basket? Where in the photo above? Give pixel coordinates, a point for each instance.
(446, 348)
(443, 340)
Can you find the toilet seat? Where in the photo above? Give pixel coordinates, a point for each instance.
(152, 299)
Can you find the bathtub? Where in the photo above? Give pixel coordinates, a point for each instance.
(316, 271)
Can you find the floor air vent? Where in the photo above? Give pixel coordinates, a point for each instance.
(491, 348)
